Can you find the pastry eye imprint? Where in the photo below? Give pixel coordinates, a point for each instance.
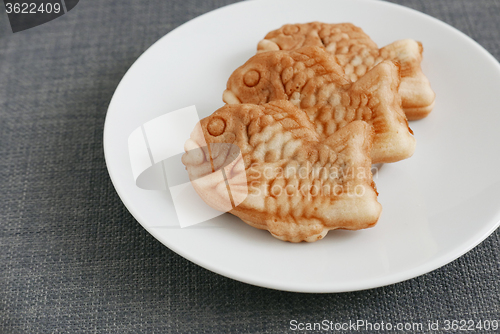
(251, 78)
(216, 126)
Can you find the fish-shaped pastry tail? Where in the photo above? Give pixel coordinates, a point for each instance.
(299, 187)
(415, 90)
(378, 90)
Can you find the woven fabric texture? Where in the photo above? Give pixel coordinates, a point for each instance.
(73, 259)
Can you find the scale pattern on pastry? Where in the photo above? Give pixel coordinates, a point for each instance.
(299, 185)
(312, 79)
(357, 54)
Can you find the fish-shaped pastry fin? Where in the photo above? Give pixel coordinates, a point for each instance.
(357, 54)
(312, 79)
(299, 187)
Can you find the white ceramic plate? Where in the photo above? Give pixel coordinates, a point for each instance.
(436, 206)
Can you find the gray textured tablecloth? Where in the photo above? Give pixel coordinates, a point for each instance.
(72, 258)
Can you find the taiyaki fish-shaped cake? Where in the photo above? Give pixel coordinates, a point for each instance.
(357, 54)
(299, 186)
(311, 79)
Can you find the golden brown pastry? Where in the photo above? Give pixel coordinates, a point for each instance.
(312, 79)
(357, 54)
(299, 187)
